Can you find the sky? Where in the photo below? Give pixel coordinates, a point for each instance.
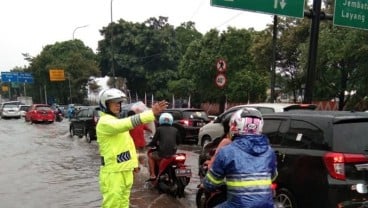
(29, 25)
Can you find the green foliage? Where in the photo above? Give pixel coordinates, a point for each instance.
(78, 62)
(156, 58)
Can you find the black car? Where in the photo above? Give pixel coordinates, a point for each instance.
(188, 121)
(321, 156)
(84, 122)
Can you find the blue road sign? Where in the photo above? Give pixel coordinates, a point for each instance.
(9, 77)
(24, 77)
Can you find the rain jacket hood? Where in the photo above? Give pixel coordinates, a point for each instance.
(252, 144)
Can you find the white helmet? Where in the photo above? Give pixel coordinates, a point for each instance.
(112, 94)
(246, 121)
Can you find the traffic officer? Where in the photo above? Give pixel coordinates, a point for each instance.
(116, 147)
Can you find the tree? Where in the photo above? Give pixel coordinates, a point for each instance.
(199, 66)
(78, 62)
(146, 53)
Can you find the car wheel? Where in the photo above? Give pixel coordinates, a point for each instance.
(205, 140)
(284, 199)
(71, 132)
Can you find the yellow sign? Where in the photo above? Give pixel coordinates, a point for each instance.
(57, 75)
(5, 88)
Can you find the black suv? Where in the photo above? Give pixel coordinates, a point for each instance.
(188, 121)
(84, 123)
(321, 155)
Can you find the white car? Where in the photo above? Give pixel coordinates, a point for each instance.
(215, 128)
(23, 110)
(10, 110)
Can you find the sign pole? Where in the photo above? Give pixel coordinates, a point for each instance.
(45, 94)
(9, 91)
(311, 70)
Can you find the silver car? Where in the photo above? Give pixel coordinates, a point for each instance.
(215, 128)
(10, 110)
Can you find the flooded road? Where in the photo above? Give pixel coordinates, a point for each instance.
(42, 167)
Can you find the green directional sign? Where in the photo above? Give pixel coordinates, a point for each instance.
(292, 8)
(351, 13)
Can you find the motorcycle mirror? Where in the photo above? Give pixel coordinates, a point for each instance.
(361, 188)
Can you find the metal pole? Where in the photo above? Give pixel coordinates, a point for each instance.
(273, 70)
(112, 48)
(311, 71)
(45, 94)
(70, 89)
(78, 28)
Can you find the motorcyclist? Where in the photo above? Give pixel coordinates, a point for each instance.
(116, 147)
(71, 111)
(166, 140)
(246, 166)
(58, 113)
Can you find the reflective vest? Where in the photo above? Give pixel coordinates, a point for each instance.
(116, 146)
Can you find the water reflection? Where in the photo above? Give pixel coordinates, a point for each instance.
(42, 167)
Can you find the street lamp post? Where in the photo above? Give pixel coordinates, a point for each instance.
(112, 48)
(70, 89)
(78, 28)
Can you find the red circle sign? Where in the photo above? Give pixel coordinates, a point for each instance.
(221, 65)
(220, 80)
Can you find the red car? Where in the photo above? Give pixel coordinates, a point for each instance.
(40, 113)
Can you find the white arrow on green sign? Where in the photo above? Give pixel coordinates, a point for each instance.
(292, 8)
(351, 13)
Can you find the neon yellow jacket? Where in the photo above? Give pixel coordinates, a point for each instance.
(116, 146)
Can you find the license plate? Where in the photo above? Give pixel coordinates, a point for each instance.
(183, 172)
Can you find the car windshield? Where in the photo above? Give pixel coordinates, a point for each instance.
(196, 115)
(23, 108)
(10, 106)
(351, 137)
(43, 108)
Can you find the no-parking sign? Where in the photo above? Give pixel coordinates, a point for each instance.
(220, 80)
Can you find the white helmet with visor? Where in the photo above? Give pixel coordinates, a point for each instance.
(111, 95)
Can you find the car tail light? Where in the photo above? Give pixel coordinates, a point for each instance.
(186, 122)
(335, 163)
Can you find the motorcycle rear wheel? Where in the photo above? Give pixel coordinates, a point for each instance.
(201, 198)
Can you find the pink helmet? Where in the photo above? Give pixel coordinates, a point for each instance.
(246, 121)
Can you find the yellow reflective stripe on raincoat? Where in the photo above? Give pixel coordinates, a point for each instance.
(213, 179)
(265, 182)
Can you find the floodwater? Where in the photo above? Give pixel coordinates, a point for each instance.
(42, 167)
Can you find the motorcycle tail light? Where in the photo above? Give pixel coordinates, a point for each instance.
(180, 158)
(273, 186)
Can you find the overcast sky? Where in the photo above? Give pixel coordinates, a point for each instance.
(29, 25)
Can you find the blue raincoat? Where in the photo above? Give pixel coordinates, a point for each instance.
(246, 167)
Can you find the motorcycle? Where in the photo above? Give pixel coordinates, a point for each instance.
(206, 199)
(58, 116)
(172, 175)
